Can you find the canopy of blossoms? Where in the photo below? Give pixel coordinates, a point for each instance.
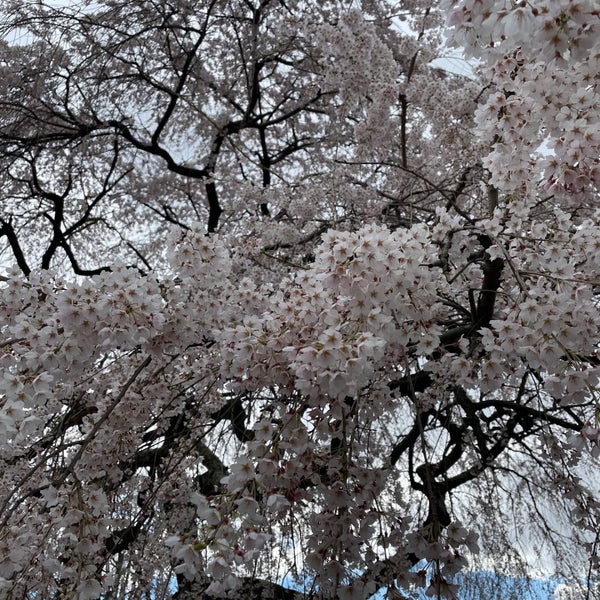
(348, 391)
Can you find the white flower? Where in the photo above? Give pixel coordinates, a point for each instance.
(89, 589)
(276, 503)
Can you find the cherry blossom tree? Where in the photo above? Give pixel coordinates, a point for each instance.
(288, 309)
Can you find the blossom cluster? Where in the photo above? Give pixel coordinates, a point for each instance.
(359, 64)
(361, 305)
(56, 330)
(543, 65)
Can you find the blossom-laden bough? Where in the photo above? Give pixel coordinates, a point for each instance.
(291, 304)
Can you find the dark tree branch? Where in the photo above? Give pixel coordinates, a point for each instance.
(8, 230)
(492, 276)
(234, 411)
